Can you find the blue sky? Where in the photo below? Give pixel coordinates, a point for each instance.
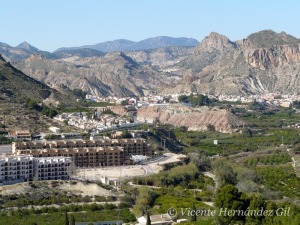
(51, 24)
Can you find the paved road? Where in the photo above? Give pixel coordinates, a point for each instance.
(211, 175)
(148, 170)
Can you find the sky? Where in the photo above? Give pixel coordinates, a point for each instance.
(51, 24)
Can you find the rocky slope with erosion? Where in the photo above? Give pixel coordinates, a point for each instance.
(198, 119)
(264, 62)
(112, 74)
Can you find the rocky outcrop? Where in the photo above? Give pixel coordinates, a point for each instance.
(188, 79)
(264, 62)
(194, 119)
(266, 58)
(214, 42)
(119, 110)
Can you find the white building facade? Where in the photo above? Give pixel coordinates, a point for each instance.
(20, 168)
(16, 168)
(52, 168)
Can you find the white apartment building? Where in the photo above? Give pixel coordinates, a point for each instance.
(16, 168)
(52, 168)
(19, 168)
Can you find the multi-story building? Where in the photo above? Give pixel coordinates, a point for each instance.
(16, 168)
(87, 153)
(21, 135)
(52, 168)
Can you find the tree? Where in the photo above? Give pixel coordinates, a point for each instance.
(194, 216)
(183, 98)
(72, 220)
(67, 219)
(126, 134)
(183, 129)
(148, 218)
(79, 93)
(124, 102)
(249, 132)
(229, 198)
(257, 106)
(224, 174)
(202, 162)
(256, 204)
(296, 104)
(211, 127)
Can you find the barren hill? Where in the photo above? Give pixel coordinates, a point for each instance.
(194, 119)
(112, 74)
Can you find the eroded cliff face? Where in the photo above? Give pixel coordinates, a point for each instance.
(264, 62)
(194, 119)
(273, 57)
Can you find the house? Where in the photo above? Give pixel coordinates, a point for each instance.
(55, 130)
(117, 134)
(132, 101)
(21, 135)
(160, 219)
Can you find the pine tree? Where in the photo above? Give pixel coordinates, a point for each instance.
(148, 219)
(194, 217)
(67, 219)
(73, 220)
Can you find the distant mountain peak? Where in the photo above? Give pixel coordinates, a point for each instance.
(267, 38)
(214, 42)
(26, 46)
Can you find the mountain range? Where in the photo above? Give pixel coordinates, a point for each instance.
(263, 62)
(126, 45)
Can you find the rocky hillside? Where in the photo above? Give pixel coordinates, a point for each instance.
(113, 74)
(162, 57)
(15, 86)
(194, 119)
(264, 62)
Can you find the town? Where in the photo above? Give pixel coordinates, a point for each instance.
(149, 113)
